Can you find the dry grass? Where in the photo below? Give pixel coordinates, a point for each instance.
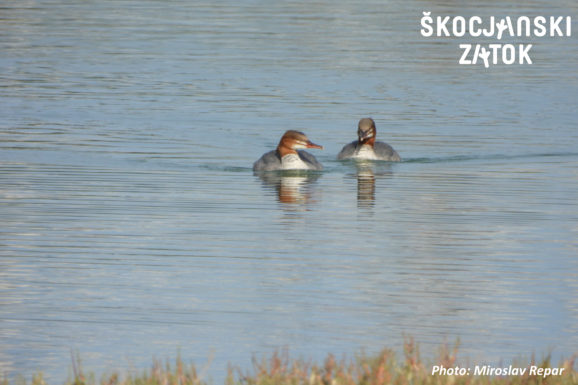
(280, 369)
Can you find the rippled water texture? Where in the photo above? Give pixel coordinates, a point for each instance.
(132, 226)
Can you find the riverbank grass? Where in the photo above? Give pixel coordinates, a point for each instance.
(380, 369)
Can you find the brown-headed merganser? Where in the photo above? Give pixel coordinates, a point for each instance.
(366, 148)
(287, 156)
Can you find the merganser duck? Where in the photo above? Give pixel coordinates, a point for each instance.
(286, 156)
(365, 147)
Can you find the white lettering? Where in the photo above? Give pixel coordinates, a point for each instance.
(508, 54)
(442, 26)
(474, 31)
(426, 20)
(555, 26)
(523, 54)
(459, 26)
(544, 372)
(491, 31)
(466, 48)
(443, 371)
(485, 55)
(526, 21)
(540, 28)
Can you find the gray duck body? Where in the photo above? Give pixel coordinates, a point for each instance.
(380, 151)
(271, 161)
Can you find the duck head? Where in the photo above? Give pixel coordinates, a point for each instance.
(366, 131)
(292, 141)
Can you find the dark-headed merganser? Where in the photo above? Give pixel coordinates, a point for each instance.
(286, 156)
(366, 148)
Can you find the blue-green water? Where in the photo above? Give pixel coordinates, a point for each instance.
(132, 226)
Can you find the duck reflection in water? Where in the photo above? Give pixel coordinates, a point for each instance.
(291, 187)
(366, 174)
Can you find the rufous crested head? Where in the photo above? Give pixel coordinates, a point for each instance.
(295, 140)
(366, 131)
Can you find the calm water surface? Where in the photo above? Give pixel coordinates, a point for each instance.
(132, 226)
